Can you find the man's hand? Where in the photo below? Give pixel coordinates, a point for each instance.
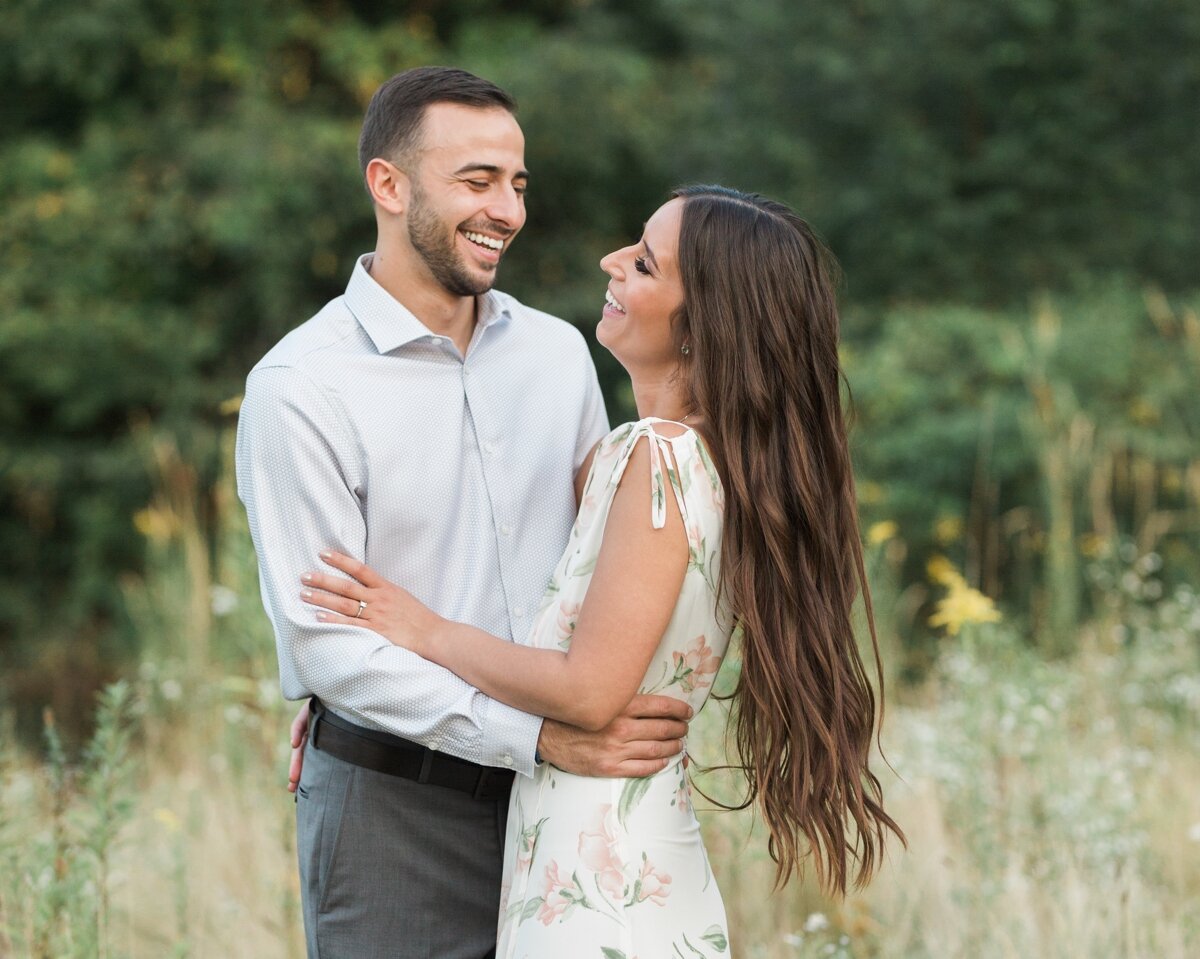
(299, 738)
(639, 742)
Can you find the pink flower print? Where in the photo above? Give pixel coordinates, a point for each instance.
(559, 896)
(683, 796)
(696, 666)
(695, 534)
(598, 850)
(653, 886)
(568, 616)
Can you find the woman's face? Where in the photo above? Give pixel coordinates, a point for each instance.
(645, 290)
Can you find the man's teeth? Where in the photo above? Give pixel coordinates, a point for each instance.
(612, 301)
(490, 242)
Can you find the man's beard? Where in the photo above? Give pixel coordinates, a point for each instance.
(427, 235)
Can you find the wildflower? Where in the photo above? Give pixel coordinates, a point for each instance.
(963, 605)
(158, 525)
(881, 532)
(816, 922)
(941, 570)
(947, 529)
(223, 599)
(167, 819)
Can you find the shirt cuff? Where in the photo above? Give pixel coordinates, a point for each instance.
(511, 738)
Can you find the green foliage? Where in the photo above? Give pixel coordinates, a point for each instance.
(178, 188)
(1012, 439)
(55, 896)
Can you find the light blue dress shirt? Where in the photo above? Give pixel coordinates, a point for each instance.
(364, 432)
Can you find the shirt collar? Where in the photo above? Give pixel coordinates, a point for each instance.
(391, 325)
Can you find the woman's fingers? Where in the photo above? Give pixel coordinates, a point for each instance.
(352, 567)
(327, 617)
(337, 585)
(338, 604)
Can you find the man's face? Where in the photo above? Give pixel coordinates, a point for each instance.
(468, 194)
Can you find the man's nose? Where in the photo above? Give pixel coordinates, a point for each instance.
(507, 207)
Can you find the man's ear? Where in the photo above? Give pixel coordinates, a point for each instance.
(390, 187)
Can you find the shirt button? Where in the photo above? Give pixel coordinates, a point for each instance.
(518, 611)
(434, 744)
(506, 759)
(489, 448)
(505, 530)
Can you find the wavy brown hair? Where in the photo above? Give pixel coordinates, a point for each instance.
(760, 322)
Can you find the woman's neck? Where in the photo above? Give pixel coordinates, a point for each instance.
(661, 396)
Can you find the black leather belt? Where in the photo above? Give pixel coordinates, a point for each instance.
(394, 756)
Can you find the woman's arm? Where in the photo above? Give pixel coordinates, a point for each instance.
(581, 477)
(629, 603)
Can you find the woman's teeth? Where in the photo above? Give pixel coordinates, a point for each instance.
(612, 301)
(489, 242)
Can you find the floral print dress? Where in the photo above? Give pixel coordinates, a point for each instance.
(616, 868)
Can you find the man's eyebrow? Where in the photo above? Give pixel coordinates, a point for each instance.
(489, 168)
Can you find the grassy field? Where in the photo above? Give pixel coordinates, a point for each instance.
(1052, 807)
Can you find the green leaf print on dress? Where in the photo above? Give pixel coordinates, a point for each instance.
(631, 794)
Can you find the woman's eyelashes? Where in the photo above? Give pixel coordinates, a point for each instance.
(639, 264)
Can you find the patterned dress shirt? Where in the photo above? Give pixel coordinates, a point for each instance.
(363, 431)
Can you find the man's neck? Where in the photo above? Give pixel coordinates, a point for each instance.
(445, 313)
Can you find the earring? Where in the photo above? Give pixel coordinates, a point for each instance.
(685, 349)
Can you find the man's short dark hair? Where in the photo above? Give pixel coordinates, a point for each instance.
(392, 125)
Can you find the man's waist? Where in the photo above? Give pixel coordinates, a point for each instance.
(393, 755)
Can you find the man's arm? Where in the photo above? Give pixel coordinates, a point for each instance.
(299, 466)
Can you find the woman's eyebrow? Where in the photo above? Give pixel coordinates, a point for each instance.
(650, 253)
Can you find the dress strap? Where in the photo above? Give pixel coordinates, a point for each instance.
(660, 450)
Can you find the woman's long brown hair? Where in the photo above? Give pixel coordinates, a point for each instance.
(760, 322)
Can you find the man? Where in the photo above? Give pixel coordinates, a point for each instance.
(431, 427)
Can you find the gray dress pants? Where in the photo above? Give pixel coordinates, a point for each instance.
(394, 869)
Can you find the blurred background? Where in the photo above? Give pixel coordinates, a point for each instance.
(1013, 191)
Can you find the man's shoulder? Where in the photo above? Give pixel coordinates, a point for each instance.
(302, 348)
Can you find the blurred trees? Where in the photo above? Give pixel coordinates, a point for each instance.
(178, 187)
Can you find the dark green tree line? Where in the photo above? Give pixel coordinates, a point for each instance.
(178, 187)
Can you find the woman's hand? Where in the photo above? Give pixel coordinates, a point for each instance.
(372, 602)
(299, 736)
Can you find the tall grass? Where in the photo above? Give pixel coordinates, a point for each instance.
(1052, 806)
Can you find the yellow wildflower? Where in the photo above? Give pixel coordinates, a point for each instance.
(947, 529)
(961, 604)
(155, 524)
(881, 532)
(964, 605)
(167, 819)
(941, 570)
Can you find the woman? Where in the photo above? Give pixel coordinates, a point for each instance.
(738, 508)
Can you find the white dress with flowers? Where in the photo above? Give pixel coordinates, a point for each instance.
(616, 868)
